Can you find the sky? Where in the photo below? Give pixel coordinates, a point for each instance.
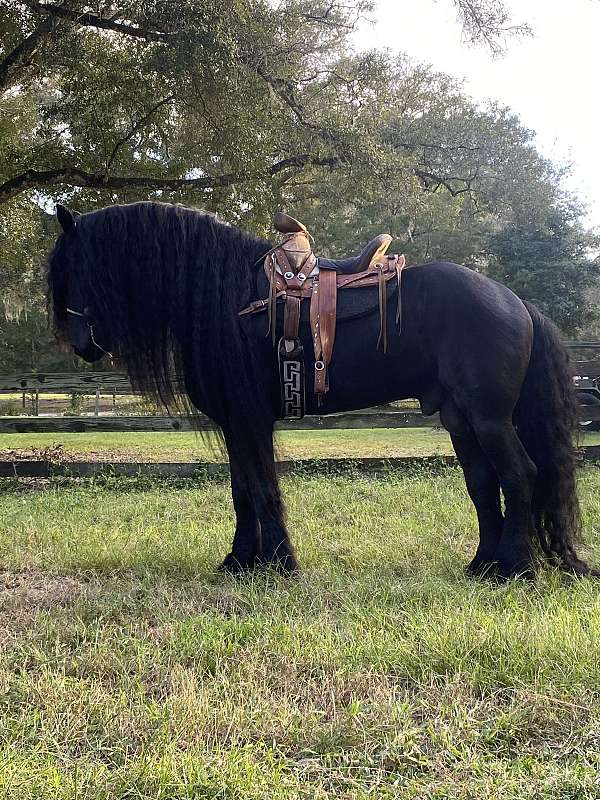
(550, 80)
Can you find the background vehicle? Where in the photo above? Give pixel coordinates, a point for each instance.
(587, 384)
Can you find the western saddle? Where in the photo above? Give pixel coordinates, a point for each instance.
(295, 274)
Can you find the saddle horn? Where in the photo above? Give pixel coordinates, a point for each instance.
(286, 224)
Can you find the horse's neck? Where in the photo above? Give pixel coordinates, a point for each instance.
(222, 288)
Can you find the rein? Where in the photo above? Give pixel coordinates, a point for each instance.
(91, 327)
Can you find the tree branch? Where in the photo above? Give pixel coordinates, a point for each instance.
(98, 21)
(284, 90)
(488, 22)
(135, 128)
(12, 64)
(73, 176)
(429, 177)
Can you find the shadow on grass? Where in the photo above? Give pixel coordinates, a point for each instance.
(384, 470)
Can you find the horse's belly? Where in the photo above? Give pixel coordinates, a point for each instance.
(360, 374)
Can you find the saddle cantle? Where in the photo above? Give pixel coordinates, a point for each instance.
(294, 274)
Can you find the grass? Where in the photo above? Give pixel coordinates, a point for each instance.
(174, 446)
(130, 669)
(183, 447)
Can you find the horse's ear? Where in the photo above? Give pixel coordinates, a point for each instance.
(66, 217)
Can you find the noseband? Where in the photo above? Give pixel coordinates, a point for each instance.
(91, 327)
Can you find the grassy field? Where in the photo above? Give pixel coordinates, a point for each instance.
(189, 447)
(130, 669)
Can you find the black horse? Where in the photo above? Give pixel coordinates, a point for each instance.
(160, 286)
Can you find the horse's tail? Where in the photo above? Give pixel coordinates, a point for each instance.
(546, 419)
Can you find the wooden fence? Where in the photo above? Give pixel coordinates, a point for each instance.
(116, 384)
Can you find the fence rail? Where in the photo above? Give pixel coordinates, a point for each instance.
(66, 383)
(111, 423)
(116, 424)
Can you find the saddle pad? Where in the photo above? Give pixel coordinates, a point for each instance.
(354, 303)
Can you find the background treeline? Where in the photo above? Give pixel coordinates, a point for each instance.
(241, 107)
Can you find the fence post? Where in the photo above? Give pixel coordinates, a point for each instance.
(36, 406)
(97, 406)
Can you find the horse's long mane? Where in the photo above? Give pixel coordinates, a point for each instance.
(166, 282)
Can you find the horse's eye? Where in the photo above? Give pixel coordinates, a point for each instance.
(88, 315)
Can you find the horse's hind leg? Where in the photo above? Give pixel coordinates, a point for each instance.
(517, 473)
(482, 484)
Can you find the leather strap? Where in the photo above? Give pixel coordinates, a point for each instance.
(282, 259)
(271, 266)
(291, 316)
(382, 311)
(321, 380)
(323, 304)
(399, 267)
(314, 319)
(392, 268)
(327, 309)
(370, 277)
(315, 324)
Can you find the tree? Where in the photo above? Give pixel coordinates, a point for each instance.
(174, 97)
(549, 264)
(210, 103)
(243, 106)
(26, 344)
(116, 92)
(442, 174)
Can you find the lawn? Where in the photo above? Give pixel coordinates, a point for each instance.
(174, 446)
(130, 669)
(183, 447)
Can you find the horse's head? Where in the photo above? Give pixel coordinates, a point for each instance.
(75, 317)
(158, 286)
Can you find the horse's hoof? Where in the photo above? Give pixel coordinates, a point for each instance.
(481, 569)
(580, 569)
(234, 565)
(285, 565)
(523, 571)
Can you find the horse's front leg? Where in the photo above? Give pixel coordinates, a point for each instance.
(245, 545)
(260, 536)
(275, 547)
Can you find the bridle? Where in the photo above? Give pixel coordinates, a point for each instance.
(90, 325)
